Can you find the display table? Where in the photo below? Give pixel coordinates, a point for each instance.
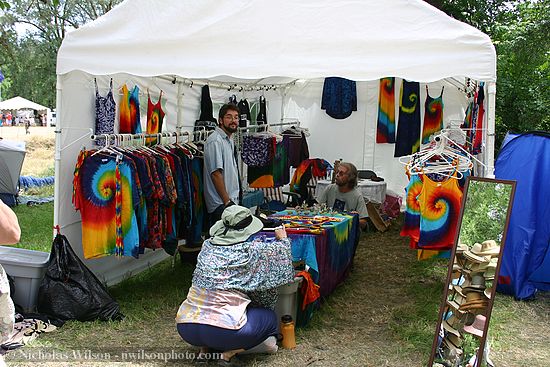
(371, 190)
(326, 243)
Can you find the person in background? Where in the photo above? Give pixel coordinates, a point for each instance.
(343, 194)
(229, 306)
(221, 174)
(10, 234)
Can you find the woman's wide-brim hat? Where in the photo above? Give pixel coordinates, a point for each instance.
(237, 225)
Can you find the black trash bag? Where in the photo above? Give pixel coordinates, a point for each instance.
(70, 291)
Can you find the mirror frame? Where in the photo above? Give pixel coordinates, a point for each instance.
(489, 308)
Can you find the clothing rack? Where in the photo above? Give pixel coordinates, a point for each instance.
(238, 87)
(119, 139)
(267, 126)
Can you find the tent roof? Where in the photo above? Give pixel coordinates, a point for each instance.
(253, 39)
(20, 103)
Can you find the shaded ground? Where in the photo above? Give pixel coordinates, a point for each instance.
(381, 316)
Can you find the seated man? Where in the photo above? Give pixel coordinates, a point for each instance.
(343, 194)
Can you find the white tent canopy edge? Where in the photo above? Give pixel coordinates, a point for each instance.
(258, 42)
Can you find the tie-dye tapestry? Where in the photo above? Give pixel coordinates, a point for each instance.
(408, 129)
(385, 128)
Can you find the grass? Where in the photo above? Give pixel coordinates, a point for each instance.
(36, 226)
(383, 315)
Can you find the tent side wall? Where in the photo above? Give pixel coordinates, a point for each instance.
(526, 259)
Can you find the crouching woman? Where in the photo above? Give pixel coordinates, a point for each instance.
(229, 306)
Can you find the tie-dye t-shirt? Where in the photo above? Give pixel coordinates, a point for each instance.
(439, 209)
(94, 196)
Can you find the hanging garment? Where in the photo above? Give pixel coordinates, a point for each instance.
(339, 97)
(258, 150)
(408, 130)
(260, 177)
(478, 133)
(155, 117)
(206, 118)
(262, 113)
(244, 113)
(467, 124)
(385, 127)
(104, 112)
(298, 149)
(281, 169)
(411, 223)
(439, 210)
(109, 223)
(129, 111)
(433, 116)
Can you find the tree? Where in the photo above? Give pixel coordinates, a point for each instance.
(519, 29)
(28, 61)
(485, 15)
(523, 88)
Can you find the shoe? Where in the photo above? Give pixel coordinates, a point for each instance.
(201, 358)
(232, 362)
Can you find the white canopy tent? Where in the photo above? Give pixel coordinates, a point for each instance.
(20, 103)
(287, 45)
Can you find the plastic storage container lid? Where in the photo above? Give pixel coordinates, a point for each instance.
(19, 256)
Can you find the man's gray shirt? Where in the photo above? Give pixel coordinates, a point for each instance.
(218, 154)
(353, 199)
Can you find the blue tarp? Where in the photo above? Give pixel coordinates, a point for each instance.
(27, 182)
(525, 264)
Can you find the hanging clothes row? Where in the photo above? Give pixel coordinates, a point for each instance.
(408, 129)
(473, 120)
(132, 198)
(129, 113)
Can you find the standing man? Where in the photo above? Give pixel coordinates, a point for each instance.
(221, 174)
(343, 195)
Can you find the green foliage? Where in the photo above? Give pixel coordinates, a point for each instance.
(484, 212)
(519, 29)
(29, 60)
(523, 88)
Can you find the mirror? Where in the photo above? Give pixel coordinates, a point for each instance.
(474, 265)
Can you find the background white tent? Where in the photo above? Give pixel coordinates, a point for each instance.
(20, 103)
(287, 45)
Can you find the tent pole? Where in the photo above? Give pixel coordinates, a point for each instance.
(490, 151)
(57, 161)
(179, 112)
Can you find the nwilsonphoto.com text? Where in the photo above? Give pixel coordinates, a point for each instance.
(164, 355)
